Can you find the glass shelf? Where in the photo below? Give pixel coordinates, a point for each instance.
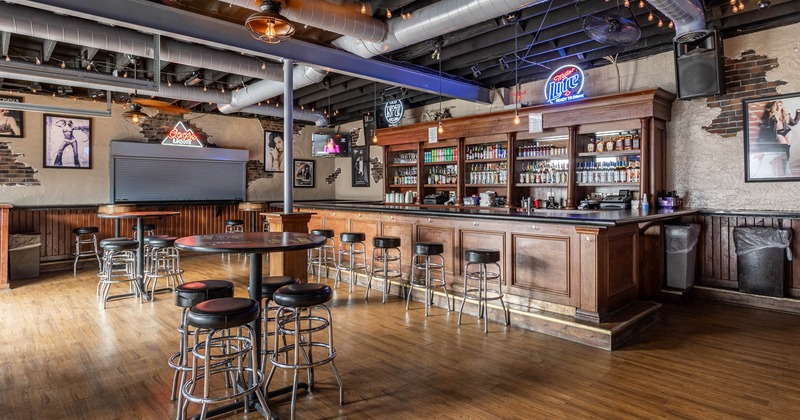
(543, 157)
(614, 153)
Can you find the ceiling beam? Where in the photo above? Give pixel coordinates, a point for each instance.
(186, 26)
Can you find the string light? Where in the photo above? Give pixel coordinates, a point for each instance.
(38, 61)
(205, 88)
(440, 130)
(363, 9)
(8, 58)
(63, 64)
(735, 9)
(660, 23)
(89, 66)
(650, 17)
(263, 66)
(222, 89)
(627, 3)
(169, 84)
(641, 4)
(741, 5)
(388, 14)
(670, 25)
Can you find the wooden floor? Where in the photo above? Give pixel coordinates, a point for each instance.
(62, 356)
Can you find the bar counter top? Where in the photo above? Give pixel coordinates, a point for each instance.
(571, 217)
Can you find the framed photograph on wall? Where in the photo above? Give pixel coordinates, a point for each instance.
(67, 142)
(360, 165)
(273, 151)
(772, 138)
(303, 173)
(10, 121)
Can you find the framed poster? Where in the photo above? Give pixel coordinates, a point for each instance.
(303, 173)
(273, 151)
(360, 164)
(10, 121)
(67, 142)
(772, 138)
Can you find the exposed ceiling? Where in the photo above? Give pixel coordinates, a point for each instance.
(526, 45)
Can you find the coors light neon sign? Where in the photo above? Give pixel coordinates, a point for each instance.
(565, 84)
(180, 135)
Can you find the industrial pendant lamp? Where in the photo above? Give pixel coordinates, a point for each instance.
(516, 78)
(375, 115)
(134, 114)
(440, 130)
(268, 25)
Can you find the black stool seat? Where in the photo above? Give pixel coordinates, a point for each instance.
(269, 285)
(428, 248)
(386, 242)
(328, 233)
(147, 239)
(192, 293)
(352, 237)
(86, 230)
(161, 242)
(120, 245)
(146, 227)
(302, 295)
(482, 255)
(234, 222)
(222, 313)
(109, 240)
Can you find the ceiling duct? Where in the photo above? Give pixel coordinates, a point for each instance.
(265, 89)
(432, 21)
(340, 19)
(688, 16)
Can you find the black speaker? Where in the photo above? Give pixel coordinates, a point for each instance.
(698, 65)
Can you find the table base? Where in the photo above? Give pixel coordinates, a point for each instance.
(254, 404)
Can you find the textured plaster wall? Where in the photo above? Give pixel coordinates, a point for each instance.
(91, 186)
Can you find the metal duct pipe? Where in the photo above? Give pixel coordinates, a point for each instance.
(687, 15)
(175, 91)
(432, 21)
(341, 19)
(265, 89)
(37, 23)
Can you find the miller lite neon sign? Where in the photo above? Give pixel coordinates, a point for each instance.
(564, 84)
(182, 136)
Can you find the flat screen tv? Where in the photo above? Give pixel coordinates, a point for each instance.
(330, 145)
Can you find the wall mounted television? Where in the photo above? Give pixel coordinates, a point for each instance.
(330, 145)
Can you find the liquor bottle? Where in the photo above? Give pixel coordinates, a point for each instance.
(635, 142)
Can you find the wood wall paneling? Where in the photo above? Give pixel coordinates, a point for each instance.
(405, 231)
(481, 239)
(540, 266)
(428, 232)
(623, 268)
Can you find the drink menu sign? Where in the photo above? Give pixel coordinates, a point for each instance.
(180, 135)
(564, 84)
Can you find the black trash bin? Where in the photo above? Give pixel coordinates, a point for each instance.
(761, 254)
(681, 253)
(23, 255)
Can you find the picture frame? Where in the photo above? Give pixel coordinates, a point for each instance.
(67, 142)
(304, 173)
(771, 139)
(11, 121)
(273, 151)
(359, 163)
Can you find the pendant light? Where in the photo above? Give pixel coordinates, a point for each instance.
(268, 25)
(441, 116)
(375, 114)
(134, 114)
(516, 78)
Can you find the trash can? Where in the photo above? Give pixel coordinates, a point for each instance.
(23, 255)
(760, 255)
(681, 254)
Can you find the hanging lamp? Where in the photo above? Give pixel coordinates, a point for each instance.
(268, 25)
(134, 114)
(375, 115)
(516, 78)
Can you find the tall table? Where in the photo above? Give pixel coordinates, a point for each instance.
(139, 216)
(255, 244)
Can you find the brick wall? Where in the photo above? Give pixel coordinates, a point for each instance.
(13, 172)
(745, 78)
(272, 124)
(156, 127)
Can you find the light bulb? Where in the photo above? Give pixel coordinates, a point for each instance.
(222, 89)
(388, 14)
(441, 128)
(671, 25)
(169, 84)
(627, 3)
(8, 58)
(733, 2)
(38, 61)
(375, 138)
(135, 118)
(205, 88)
(270, 30)
(741, 5)
(263, 66)
(89, 66)
(516, 119)
(650, 17)
(660, 23)
(363, 9)
(63, 64)
(735, 9)
(641, 4)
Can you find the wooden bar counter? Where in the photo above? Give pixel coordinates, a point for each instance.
(584, 275)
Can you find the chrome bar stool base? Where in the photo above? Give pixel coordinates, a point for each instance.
(351, 245)
(386, 264)
(322, 256)
(424, 253)
(485, 260)
(85, 236)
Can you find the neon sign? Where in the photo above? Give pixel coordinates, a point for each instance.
(393, 111)
(182, 136)
(564, 84)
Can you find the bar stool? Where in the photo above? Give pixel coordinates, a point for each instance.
(149, 229)
(385, 251)
(294, 318)
(319, 257)
(423, 253)
(351, 245)
(268, 287)
(118, 258)
(213, 319)
(84, 236)
(186, 296)
(485, 259)
(162, 260)
(234, 226)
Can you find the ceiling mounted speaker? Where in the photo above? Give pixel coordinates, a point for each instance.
(699, 67)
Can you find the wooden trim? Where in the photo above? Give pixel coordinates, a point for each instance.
(4, 229)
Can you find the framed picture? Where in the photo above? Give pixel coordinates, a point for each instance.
(772, 138)
(67, 142)
(10, 121)
(303, 173)
(273, 151)
(360, 165)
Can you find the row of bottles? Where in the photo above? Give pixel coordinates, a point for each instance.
(405, 157)
(447, 154)
(443, 175)
(544, 173)
(405, 176)
(539, 150)
(492, 151)
(608, 172)
(629, 140)
(488, 173)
